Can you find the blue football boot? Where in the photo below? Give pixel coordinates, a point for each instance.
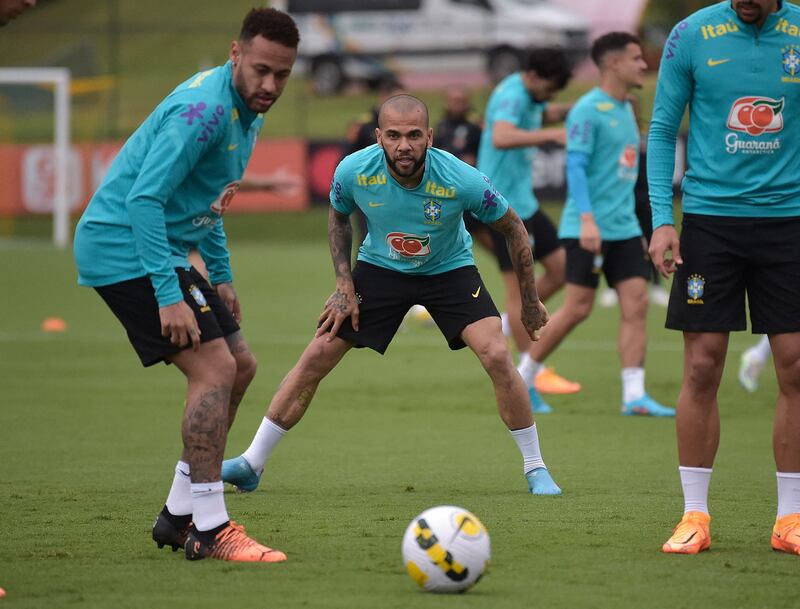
(540, 482)
(240, 474)
(538, 405)
(646, 407)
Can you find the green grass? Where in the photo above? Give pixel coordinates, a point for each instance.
(88, 440)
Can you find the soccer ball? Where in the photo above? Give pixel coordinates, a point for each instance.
(421, 316)
(446, 549)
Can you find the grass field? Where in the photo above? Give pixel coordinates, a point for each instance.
(88, 440)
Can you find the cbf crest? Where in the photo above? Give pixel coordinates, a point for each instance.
(790, 62)
(432, 210)
(199, 298)
(696, 286)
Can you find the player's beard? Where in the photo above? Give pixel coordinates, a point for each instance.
(756, 8)
(414, 168)
(255, 101)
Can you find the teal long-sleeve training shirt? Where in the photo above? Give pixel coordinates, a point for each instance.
(742, 86)
(167, 189)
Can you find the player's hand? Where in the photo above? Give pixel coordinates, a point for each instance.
(665, 239)
(557, 135)
(179, 323)
(534, 317)
(590, 235)
(343, 303)
(229, 297)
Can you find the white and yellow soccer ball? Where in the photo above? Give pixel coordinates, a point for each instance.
(446, 549)
(420, 316)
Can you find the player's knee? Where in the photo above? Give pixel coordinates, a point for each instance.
(495, 357)
(635, 307)
(789, 378)
(577, 312)
(221, 370)
(317, 360)
(703, 373)
(246, 366)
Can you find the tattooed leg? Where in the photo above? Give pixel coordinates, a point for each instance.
(295, 392)
(210, 372)
(245, 371)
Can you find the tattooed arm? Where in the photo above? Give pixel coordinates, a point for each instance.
(534, 313)
(343, 303)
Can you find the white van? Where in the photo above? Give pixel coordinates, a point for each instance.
(342, 38)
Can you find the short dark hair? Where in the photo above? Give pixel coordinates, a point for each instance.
(608, 43)
(550, 64)
(403, 103)
(272, 24)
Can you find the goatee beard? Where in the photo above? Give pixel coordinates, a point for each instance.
(417, 164)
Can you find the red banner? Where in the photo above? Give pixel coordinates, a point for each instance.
(276, 178)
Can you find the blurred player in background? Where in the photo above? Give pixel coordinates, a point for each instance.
(599, 228)
(734, 65)
(459, 133)
(165, 193)
(517, 108)
(416, 251)
(11, 9)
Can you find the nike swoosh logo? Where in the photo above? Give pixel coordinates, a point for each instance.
(476, 292)
(716, 62)
(232, 147)
(371, 204)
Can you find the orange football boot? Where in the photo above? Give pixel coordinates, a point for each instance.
(231, 543)
(691, 536)
(547, 381)
(786, 534)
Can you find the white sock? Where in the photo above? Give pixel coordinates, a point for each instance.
(504, 324)
(267, 436)
(528, 369)
(632, 384)
(694, 481)
(762, 349)
(179, 501)
(788, 493)
(208, 505)
(527, 440)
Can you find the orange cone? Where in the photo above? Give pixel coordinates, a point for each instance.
(54, 324)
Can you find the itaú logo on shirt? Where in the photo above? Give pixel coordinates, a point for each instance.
(754, 116)
(407, 244)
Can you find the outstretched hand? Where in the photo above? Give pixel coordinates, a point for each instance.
(343, 303)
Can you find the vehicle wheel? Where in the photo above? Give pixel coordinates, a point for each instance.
(327, 76)
(503, 62)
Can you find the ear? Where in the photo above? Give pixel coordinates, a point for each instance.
(430, 137)
(378, 136)
(236, 52)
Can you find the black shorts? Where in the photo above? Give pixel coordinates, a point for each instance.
(543, 236)
(134, 303)
(454, 299)
(724, 258)
(618, 260)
